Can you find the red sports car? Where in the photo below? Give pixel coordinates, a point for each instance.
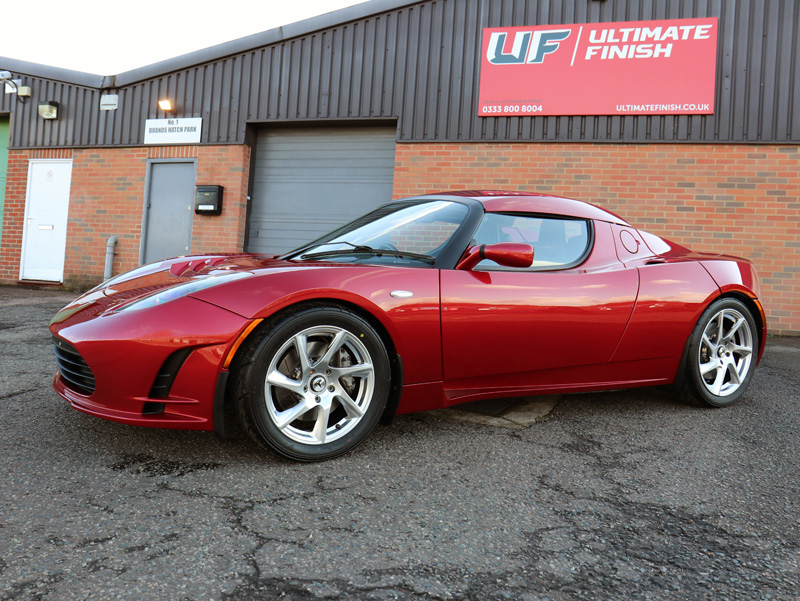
(423, 303)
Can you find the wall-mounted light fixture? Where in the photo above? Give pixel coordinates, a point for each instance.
(11, 83)
(14, 86)
(48, 109)
(165, 104)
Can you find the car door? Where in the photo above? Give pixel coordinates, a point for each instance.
(515, 330)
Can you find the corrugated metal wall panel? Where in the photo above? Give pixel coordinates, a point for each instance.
(420, 64)
(6, 100)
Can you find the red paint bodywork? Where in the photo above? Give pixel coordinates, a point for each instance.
(620, 318)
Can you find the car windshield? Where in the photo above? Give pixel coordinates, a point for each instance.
(408, 232)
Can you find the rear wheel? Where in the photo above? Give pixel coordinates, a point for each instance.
(314, 384)
(721, 358)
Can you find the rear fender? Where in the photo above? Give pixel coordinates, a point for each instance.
(738, 279)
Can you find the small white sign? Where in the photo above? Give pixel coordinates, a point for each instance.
(173, 131)
(109, 102)
(11, 88)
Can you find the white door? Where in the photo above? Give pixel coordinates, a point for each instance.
(44, 238)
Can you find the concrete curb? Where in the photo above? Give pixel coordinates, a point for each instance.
(515, 414)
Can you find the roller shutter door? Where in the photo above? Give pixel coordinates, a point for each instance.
(309, 181)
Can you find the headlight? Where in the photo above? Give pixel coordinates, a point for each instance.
(181, 290)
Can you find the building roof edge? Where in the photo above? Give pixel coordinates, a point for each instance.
(212, 53)
(20, 67)
(265, 38)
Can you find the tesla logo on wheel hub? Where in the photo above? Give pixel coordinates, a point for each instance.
(318, 384)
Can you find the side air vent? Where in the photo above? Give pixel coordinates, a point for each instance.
(167, 374)
(151, 408)
(73, 368)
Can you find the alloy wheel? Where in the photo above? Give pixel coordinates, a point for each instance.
(725, 352)
(319, 385)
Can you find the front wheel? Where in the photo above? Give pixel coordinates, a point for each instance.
(314, 384)
(721, 360)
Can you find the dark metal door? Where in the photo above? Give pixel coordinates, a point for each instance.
(168, 211)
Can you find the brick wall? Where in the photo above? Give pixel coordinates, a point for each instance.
(227, 166)
(740, 200)
(106, 198)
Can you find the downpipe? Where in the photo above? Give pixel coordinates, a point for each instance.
(110, 245)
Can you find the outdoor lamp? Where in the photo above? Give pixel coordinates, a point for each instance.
(48, 109)
(165, 105)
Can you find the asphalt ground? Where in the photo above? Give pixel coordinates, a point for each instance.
(620, 495)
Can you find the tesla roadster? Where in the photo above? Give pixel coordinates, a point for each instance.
(424, 303)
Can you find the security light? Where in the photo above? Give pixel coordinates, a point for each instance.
(48, 109)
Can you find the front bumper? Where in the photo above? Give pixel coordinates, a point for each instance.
(127, 351)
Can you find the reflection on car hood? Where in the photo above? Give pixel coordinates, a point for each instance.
(155, 277)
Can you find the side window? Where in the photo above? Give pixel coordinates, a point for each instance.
(557, 243)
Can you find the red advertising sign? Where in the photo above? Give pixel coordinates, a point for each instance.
(625, 68)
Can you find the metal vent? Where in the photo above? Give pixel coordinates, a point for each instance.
(73, 368)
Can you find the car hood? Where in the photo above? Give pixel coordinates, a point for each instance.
(156, 277)
(242, 283)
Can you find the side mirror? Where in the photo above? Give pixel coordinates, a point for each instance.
(507, 254)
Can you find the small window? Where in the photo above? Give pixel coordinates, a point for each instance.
(557, 243)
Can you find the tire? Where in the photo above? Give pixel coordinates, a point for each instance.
(313, 383)
(719, 367)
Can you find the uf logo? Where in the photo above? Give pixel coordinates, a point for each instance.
(529, 46)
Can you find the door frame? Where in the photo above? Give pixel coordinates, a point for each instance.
(27, 212)
(146, 201)
(4, 159)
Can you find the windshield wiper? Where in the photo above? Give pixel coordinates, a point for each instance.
(361, 249)
(297, 251)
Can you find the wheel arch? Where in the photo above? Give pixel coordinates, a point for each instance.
(759, 316)
(756, 310)
(395, 361)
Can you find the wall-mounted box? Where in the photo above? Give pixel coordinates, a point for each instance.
(208, 200)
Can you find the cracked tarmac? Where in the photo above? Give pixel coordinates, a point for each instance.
(619, 495)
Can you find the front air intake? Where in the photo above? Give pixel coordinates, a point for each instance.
(73, 368)
(167, 374)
